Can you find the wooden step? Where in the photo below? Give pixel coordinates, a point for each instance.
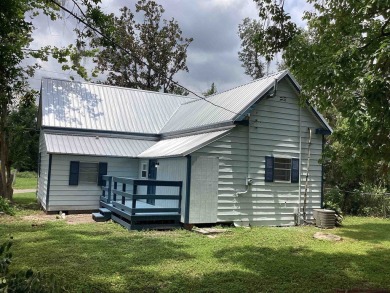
(98, 217)
(105, 212)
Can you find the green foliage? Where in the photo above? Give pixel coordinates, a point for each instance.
(27, 174)
(211, 91)
(138, 54)
(24, 281)
(343, 59)
(24, 137)
(6, 207)
(276, 31)
(368, 200)
(250, 55)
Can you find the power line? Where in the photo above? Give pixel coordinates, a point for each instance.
(134, 56)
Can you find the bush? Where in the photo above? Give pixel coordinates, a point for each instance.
(27, 174)
(368, 200)
(5, 207)
(27, 281)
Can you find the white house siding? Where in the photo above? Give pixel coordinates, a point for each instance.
(274, 131)
(65, 197)
(174, 169)
(44, 171)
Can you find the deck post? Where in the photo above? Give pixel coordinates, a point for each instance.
(134, 201)
(109, 190)
(115, 188)
(124, 190)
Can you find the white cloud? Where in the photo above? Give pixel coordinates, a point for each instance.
(212, 57)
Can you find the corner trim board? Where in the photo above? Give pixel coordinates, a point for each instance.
(188, 189)
(48, 182)
(322, 174)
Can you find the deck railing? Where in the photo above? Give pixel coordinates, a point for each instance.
(126, 197)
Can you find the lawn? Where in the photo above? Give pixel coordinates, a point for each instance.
(25, 180)
(107, 258)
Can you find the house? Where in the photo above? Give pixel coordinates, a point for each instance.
(249, 155)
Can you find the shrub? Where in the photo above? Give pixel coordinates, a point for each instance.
(27, 174)
(368, 200)
(5, 207)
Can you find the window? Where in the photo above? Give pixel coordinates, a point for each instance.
(88, 173)
(144, 170)
(282, 169)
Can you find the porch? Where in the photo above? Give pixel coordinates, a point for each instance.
(139, 204)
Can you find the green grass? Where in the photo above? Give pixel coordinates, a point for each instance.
(25, 180)
(108, 258)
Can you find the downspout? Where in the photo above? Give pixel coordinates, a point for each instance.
(300, 168)
(188, 189)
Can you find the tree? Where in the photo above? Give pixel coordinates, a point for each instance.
(144, 55)
(249, 55)
(15, 32)
(24, 138)
(15, 35)
(211, 91)
(342, 60)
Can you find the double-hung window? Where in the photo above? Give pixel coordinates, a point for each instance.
(279, 169)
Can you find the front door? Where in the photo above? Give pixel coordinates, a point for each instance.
(152, 175)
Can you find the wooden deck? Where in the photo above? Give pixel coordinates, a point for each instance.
(131, 210)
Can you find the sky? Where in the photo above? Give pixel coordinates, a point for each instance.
(213, 24)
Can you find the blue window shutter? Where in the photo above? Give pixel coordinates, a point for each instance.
(102, 171)
(269, 169)
(294, 170)
(74, 173)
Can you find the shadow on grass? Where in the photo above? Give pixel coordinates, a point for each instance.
(109, 259)
(370, 232)
(303, 270)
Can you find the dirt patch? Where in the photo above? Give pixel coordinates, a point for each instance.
(327, 236)
(69, 219)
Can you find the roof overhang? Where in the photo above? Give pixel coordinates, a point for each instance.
(95, 145)
(181, 146)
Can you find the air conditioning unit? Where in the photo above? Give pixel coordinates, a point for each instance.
(325, 219)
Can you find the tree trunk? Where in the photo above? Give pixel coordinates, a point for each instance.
(5, 171)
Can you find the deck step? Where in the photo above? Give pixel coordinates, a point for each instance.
(105, 212)
(98, 217)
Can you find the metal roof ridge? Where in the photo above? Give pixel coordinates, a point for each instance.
(119, 87)
(250, 82)
(173, 114)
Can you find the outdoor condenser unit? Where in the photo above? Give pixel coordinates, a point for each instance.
(325, 219)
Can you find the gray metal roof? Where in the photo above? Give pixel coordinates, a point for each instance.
(195, 114)
(67, 104)
(181, 146)
(95, 145)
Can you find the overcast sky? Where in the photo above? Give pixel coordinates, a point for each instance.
(213, 24)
